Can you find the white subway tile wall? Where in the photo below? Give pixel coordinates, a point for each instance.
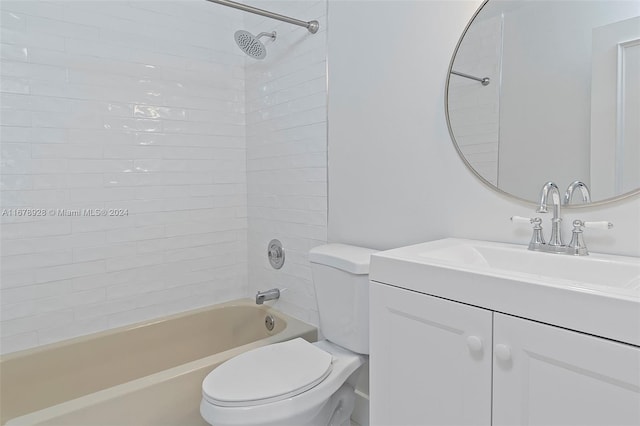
(138, 106)
(286, 97)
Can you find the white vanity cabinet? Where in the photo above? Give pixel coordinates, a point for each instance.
(440, 362)
(546, 375)
(430, 360)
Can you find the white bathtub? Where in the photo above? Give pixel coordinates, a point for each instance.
(145, 374)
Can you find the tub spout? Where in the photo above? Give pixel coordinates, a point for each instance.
(263, 296)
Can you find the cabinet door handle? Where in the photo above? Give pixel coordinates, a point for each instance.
(503, 352)
(474, 343)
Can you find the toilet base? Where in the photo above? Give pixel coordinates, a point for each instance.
(336, 411)
(343, 402)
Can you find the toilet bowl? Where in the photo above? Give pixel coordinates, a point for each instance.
(297, 383)
(296, 397)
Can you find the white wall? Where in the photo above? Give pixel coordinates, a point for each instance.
(287, 153)
(394, 176)
(134, 105)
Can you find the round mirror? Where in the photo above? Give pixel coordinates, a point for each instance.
(549, 91)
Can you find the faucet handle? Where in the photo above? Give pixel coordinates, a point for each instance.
(577, 245)
(537, 239)
(523, 220)
(603, 224)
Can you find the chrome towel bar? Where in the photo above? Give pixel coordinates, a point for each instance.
(484, 80)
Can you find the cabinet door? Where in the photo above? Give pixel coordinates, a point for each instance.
(545, 375)
(430, 361)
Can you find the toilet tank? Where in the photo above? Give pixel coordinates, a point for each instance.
(341, 279)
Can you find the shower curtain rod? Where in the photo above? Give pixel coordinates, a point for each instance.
(312, 26)
(484, 80)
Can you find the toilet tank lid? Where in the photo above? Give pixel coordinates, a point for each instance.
(342, 256)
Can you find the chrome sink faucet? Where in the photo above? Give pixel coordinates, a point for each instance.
(577, 246)
(551, 189)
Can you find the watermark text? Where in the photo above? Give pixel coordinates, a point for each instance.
(31, 212)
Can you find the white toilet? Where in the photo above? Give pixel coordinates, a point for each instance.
(298, 383)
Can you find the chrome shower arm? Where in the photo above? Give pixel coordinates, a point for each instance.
(272, 35)
(312, 26)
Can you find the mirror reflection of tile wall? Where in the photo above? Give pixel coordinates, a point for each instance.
(474, 109)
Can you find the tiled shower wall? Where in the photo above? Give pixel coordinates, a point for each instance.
(138, 106)
(287, 152)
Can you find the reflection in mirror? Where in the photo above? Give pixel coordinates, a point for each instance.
(563, 103)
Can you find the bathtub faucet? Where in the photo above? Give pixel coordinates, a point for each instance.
(263, 296)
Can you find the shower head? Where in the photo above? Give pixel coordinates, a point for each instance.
(251, 45)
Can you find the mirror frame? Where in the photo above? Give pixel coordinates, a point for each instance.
(475, 172)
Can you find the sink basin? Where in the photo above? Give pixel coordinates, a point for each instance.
(597, 294)
(598, 270)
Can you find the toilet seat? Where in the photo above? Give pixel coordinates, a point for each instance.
(302, 409)
(267, 374)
